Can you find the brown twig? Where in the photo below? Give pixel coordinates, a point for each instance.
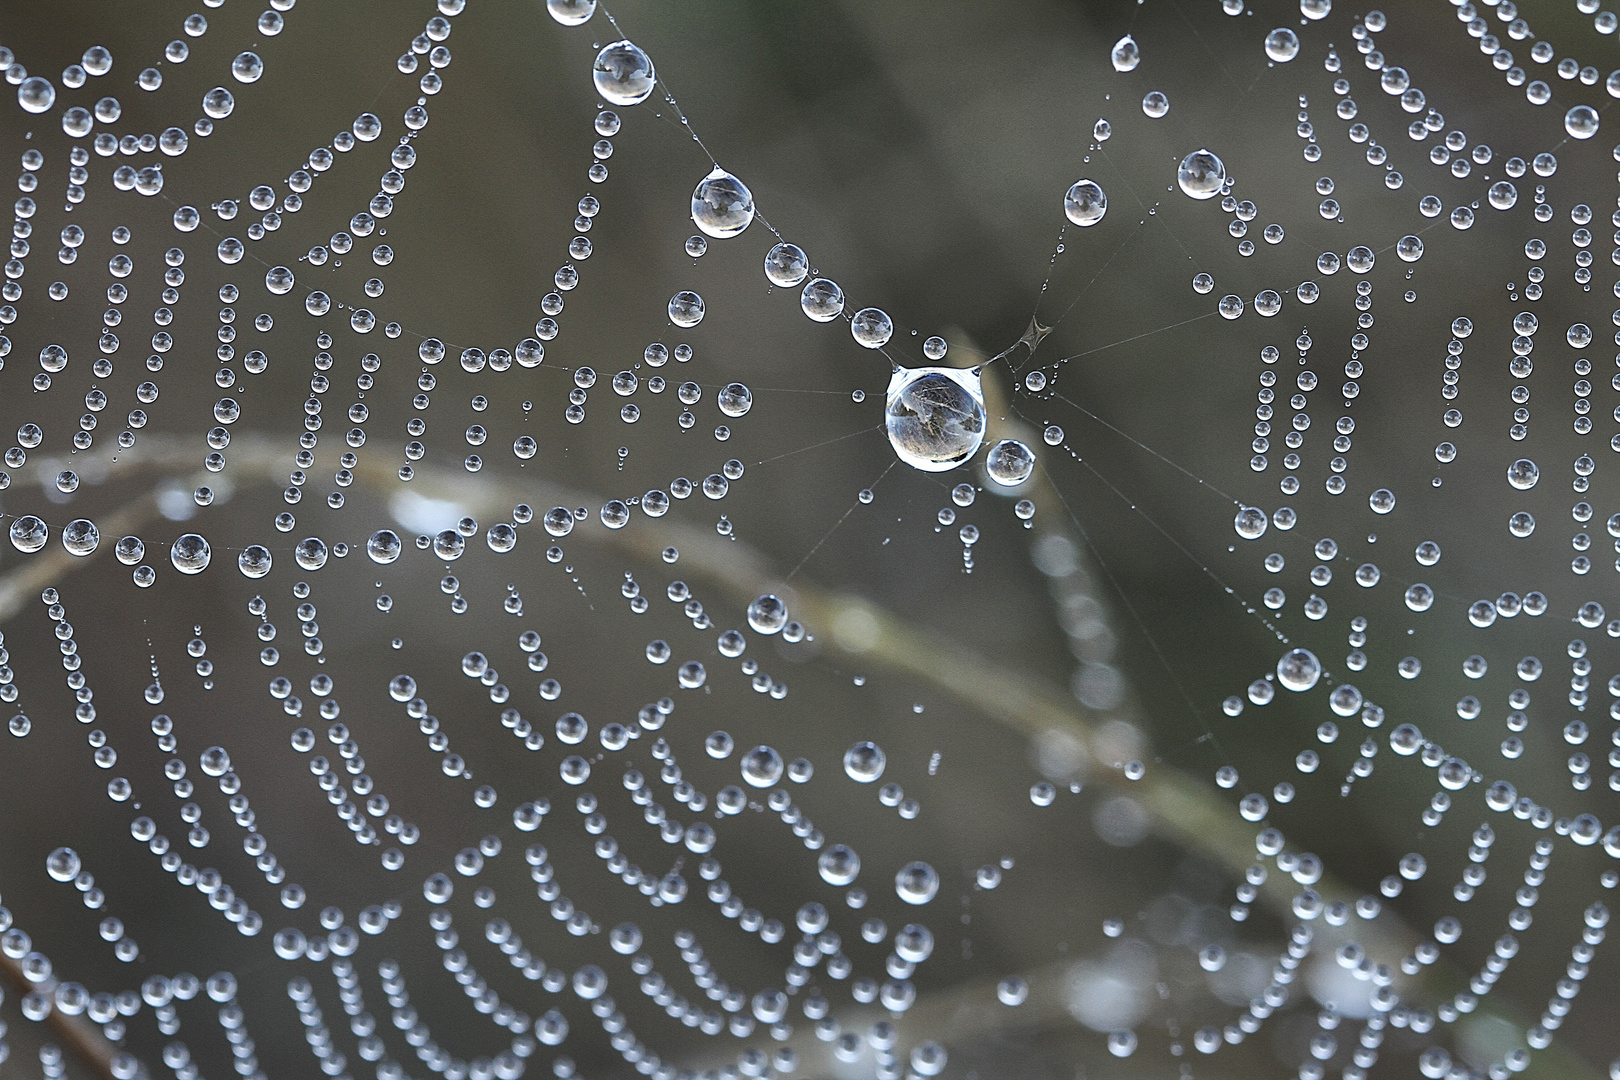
(75, 1032)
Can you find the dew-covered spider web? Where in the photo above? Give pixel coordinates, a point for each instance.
(732, 539)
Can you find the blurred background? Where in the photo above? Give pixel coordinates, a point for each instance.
(919, 154)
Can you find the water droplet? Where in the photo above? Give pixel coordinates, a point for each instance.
(1282, 45)
(1299, 669)
(822, 300)
(1201, 175)
(1009, 462)
(571, 12)
(624, 74)
(722, 205)
(864, 762)
(786, 265)
(1125, 54)
(916, 883)
(871, 328)
(1085, 204)
(190, 554)
(935, 416)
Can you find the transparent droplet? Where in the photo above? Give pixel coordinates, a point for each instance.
(247, 67)
(63, 864)
(864, 762)
(762, 767)
(839, 865)
(1282, 45)
(916, 883)
(190, 554)
(767, 614)
(571, 12)
(1581, 122)
(935, 416)
(254, 561)
(80, 537)
(1201, 175)
(871, 327)
(384, 546)
(722, 205)
(822, 300)
(310, 553)
(1125, 54)
(36, 95)
(1299, 669)
(1009, 462)
(786, 265)
(1085, 203)
(686, 309)
(624, 74)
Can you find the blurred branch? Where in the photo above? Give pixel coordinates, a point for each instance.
(76, 1033)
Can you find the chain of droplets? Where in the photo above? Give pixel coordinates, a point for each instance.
(734, 399)
(1537, 92)
(1461, 220)
(215, 762)
(53, 358)
(280, 280)
(913, 945)
(470, 862)
(1419, 598)
(77, 123)
(731, 643)
(1454, 775)
(109, 1010)
(1501, 797)
(303, 741)
(229, 254)
(615, 513)
(590, 982)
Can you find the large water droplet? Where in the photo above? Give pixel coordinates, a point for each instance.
(384, 546)
(1201, 175)
(762, 767)
(28, 533)
(786, 265)
(864, 762)
(916, 883)
(190, 554)
(571, 12)
(722, 205)
(80, 537)
(1009, 462)
(1250, 522)
(1523, 474)
(35, 94)
(935, 416)
(871, 327)
(1085, 203)
(1581, 122)
(1282, 45)
(62, 864)
(822, 300)
(624, 74)
(1125, 54)
(254, 561)
(767, 614)
(1299, 669)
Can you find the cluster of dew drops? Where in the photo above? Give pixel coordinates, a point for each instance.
(936, 421)
(1202, 176)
